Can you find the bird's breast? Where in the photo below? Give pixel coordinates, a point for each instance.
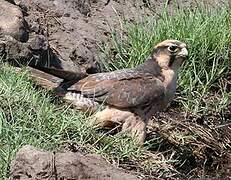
(170, 83)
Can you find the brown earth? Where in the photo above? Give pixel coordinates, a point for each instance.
(68, 34)
(31, 163)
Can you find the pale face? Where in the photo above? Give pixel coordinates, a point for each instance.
(170, 54)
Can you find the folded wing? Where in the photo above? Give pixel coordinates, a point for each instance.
(123, 88)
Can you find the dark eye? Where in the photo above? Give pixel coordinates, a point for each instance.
(172, 48)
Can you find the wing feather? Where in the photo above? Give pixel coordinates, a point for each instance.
(123, 89)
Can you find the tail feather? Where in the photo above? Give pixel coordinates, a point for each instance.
(56, 84)
(81, 103)
(45, 80)
(66, 75)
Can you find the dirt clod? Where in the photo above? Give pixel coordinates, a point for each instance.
(31, 163)
(12, 22)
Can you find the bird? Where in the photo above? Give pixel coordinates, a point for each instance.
(131, 96)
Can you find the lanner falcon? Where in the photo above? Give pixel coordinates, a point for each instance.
(129, 96)
(132, 96)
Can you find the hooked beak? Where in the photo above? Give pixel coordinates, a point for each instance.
(183, 53)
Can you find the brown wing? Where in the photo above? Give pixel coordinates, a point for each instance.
(120, 90)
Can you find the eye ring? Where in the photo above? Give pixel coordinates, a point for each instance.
(173, 48)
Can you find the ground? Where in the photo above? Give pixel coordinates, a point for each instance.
(190, 140)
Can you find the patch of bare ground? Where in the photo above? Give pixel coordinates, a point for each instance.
(201, 145)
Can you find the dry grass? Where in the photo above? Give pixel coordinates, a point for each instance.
(200, 149)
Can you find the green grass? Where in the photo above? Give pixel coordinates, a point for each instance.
(30, 115)
(27, 116)
(204, 79)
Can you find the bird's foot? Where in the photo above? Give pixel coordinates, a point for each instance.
(136, 127)
(110, 116)
(131, 123)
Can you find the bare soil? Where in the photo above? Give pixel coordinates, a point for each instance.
(69, 34)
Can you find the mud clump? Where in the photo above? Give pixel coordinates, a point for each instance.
(12, 22)
(31, 163)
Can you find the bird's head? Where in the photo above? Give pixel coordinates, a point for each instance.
(170, 54)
